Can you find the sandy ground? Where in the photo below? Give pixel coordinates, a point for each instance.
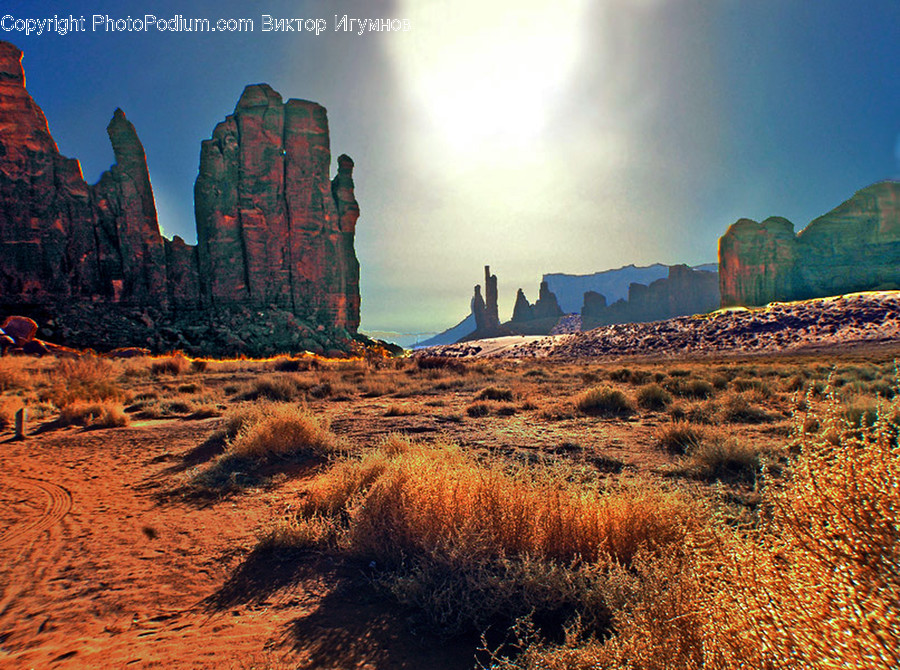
(98, 571)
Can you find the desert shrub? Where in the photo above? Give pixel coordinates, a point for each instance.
(199, 365)
(290, 364)
(689, 388)
(281, 431)
(374, 388)
(653, 397)
(719, 382)
(620, 375)
(535, 372)
(470, 542)
(883, 388)
(604, 401)
(400, 410)
(15, 373)
(170, 365)
(440, 363)
(81, 379)
(177, 406)
(204, 411)
(679, 437)
(812, 584)
(8, 408)
(719, 457)
(191, 387)
(861, 412)
(478, 409)
(505, 409)
(759, 386)
(495, 393)
(93, 415)
(735, 408)
(275, 387)
(679, 372)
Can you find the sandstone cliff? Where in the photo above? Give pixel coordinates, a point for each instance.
(275, 235)
(854, 247)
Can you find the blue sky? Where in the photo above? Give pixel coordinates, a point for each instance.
(564, 136)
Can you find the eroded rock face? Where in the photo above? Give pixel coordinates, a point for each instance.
(263, 196)
(274, 232)
(854, 247)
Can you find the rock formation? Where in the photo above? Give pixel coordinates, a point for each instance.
(537, 319)
(527, 319)
(683, 292)
(275, 235)
(486, 310)
(854, 247)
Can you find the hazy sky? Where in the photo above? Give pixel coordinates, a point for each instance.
(560, 136)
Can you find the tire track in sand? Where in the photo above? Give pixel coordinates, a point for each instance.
(20, 539)
(59, 502)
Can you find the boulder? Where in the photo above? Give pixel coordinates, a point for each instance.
(20, 328)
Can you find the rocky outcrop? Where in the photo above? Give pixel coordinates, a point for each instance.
(683, 292)
(527, 319)
(486, 310)
(263, 197)
(537, 319)
(274, 234)
(854, 247)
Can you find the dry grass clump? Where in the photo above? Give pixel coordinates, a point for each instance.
(680, 436)
(653, 397)
(735, 408)
(760, 386)
(17, 372)
(8, 408)
(478, 409)
(689, 388)
(81, 379)
(723, 458)
(93, 415)
(812, 584)
(279, 431)
(276, 387)
(174, 365)
(292, 364)
(440, 363)
(400, 410)
(495, 393)
(604, 401)
(468, 541)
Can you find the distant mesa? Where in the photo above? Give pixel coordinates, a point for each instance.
(683, 292)
(854, 247)
(274, 268)
(677, 291)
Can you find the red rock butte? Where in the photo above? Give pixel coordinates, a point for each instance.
(275, 235)
(854, 247)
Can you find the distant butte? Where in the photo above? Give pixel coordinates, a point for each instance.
(274, 268)
(854, 247)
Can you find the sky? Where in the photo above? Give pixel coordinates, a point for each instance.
(534, 136)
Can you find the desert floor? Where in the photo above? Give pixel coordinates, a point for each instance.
(113, 555)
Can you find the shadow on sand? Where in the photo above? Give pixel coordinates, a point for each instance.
(343, 622)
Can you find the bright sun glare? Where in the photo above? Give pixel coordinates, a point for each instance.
(489, 73)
